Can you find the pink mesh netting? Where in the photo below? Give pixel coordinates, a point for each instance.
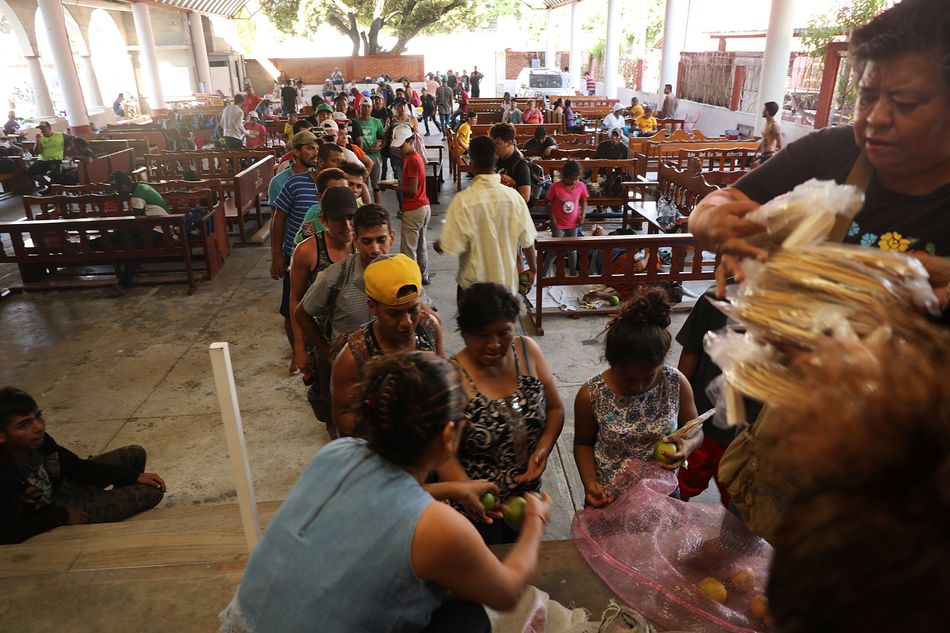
(653, 551)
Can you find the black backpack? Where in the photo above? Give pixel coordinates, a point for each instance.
(537, 178)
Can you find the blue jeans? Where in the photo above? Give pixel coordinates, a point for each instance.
(396, 162)
(445, 120)
(548, 268)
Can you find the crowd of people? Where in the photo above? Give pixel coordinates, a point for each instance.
(414, 422)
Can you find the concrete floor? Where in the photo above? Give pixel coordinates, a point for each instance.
(109, 372)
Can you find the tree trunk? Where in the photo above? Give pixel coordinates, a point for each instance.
(354, 34)
(374, 30)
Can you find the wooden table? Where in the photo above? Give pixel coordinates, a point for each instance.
(565, 576)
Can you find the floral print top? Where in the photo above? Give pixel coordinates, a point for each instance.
(628, 427)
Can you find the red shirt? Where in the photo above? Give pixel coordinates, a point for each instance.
(414, 167)
(463, 100)
(356, 101)
(250, 103)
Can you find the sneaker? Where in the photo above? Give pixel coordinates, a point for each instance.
(426, 281)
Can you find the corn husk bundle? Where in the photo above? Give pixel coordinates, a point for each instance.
(810, 293)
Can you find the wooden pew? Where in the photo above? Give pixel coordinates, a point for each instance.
(41, 248)
(222, 190)
(525, 130)
(686, 265)
(100, 168)
(717, 158)
(205, 163)
(154, 138)
(654, 152)
(17, 182)
(249, 185)
(211, 231)
(683, 189)
(597, 167)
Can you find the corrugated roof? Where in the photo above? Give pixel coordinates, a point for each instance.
(227, 8)
(547, 4)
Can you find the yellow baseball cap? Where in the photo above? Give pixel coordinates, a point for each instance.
(393, 280)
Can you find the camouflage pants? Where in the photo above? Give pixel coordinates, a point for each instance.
(116, 503)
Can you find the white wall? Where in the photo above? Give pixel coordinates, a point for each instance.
(711, 120)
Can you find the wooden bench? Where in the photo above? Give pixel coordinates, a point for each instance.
(717, 158)
(683, 189)
(524, 130)
(206, 164)
(154, 138)
(17, 182)
(211, 241)
(656, 151)
(597, 168)
(40, 248)
(686, 264)
(100, 168)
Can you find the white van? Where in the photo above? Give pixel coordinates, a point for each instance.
(536, 82)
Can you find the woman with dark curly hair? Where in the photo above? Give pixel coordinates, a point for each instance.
(514, 412)
(361, 545)
(621, 413)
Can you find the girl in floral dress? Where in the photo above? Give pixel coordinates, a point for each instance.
(621, 413)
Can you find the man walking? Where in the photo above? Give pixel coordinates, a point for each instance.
(443, 104)
(232, 123)
(771, 133)
(486, 224)
(476, 79)
(670, 102)
(416, 211)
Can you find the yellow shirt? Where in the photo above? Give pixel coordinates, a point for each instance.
(646, 124)
(463, 136)
(636, 111)
(288, 130)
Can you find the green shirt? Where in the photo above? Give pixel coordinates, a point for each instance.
(372, 132)
(146, 199)
(53, 146)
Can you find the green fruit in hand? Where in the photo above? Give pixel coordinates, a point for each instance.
(615, 300)
(488, 501)
(523, 278)
(664, 447)
(513, 512)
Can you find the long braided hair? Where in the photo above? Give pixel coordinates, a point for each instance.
(405, 401)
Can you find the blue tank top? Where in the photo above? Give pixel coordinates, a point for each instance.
(337, 555)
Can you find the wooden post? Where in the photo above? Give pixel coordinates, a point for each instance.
(737, 82)
(829, 78)
(237, 449)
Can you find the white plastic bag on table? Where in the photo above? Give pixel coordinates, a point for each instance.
(537, 613)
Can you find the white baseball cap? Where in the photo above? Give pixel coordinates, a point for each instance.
(401, 134)
(253, 114)
(618, 106)
(340, 116)
(329, 126)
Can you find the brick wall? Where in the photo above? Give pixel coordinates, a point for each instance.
(516, 60)
(315, 70)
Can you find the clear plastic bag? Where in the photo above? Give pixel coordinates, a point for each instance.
(654, 550)
(782, 215)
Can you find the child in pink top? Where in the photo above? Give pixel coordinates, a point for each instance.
(568, 200)
(532, 114)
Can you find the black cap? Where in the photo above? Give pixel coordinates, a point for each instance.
(399, 101)
(338, 202)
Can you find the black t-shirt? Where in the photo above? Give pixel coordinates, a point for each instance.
(705, 317)
(475, 79)
(608, 150)
(888, 220)
(288, 96)
(452, 81)
(383, 114)
(539, 146)
(515, 166)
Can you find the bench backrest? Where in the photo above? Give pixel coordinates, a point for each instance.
(669, 148)
(72, 240)
(684, 189)
(206, 164)
(153, 137)
(250, 183)
(527, 130)
(75, 206)
(597, 166)
(717, 158)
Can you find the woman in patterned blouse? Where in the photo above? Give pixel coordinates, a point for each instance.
(514, 412)
(622, 413)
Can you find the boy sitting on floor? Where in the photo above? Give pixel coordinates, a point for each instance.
(43, 485)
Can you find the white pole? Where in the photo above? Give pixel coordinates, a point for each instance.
(44, 104)
(778, 48)
(576, 51)
(202, 66)
(550, 41)
(55, 22)
(611, 55)
(237, 449)
(674, 36)
(148, 55)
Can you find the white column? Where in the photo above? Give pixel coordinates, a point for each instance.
(149, 57)
(54, 22)
(778, 48)
(90, 83)
(575, 51)
(550, 42)
(201, 52)
(612, 54)
(44, 103)
(674, 38)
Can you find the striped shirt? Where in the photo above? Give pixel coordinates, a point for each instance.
(296, 197)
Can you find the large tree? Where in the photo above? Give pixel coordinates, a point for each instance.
(364, 20)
